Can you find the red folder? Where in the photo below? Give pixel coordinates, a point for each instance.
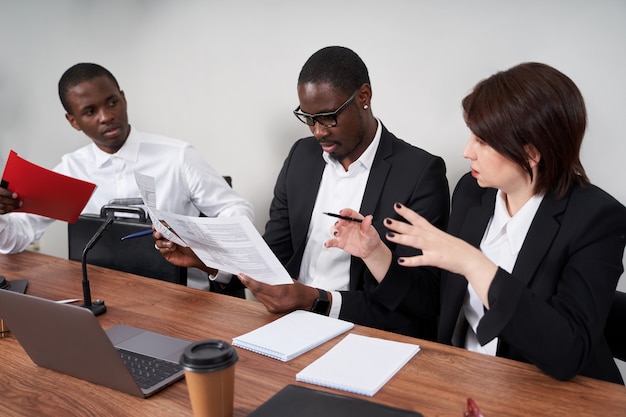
(46, 192)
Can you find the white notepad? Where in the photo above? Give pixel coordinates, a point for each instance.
(359, 364)
(292, 335)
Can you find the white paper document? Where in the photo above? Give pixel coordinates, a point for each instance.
(230, 244)
(292, 335)
(359, 364)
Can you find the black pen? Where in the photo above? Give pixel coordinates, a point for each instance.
(339, 216)
(138, 234)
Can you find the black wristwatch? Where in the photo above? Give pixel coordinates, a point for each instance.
(322, 303)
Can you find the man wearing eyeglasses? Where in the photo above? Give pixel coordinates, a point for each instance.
(360, 165)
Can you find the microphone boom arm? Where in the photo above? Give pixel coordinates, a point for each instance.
(99, 308)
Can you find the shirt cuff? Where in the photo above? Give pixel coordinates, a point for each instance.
(221, 277)
(335, 305)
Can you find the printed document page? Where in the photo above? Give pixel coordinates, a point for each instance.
(230, 244)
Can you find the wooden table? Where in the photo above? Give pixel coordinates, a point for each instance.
(436, 382)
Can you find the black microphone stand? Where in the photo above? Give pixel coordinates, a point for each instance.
(98, 307)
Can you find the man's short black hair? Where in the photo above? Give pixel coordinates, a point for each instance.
(336, 65)
(80, 73)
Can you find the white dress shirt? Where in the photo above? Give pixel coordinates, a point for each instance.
(329, 268)
(501, 243)
(185, 183)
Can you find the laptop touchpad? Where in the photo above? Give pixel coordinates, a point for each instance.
(154, 344)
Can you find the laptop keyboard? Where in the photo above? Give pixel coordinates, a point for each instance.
(146, 370)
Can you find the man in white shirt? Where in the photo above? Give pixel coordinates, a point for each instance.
(96, 105)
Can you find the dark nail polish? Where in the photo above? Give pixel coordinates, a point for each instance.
(390, 234)
(387, 221)
(398, 205)
(400, 260)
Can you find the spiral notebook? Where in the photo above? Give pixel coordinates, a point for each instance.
(359, 364)
(292, 335)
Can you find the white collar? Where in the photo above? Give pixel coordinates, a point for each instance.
(367, 157)
(515, 227)
(129, 150)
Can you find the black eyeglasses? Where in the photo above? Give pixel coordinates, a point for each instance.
(325, 119)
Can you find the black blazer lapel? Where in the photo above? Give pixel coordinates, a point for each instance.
(302, 205)
(371, 197)
(539, 238)
(477, 218)
(301, 202)
(378, 175)
(472, 231)
(302, 193)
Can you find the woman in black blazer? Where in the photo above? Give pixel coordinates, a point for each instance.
(533, 252)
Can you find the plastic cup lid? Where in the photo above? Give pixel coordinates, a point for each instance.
(208, 355)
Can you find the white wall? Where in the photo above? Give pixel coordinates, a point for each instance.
(222, 74)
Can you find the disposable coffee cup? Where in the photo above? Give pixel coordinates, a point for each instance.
(210, 374)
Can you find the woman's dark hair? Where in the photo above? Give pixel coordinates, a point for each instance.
(532, 104)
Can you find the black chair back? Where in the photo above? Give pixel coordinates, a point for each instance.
(136, 256)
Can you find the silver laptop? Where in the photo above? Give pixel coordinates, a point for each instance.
(69, 339)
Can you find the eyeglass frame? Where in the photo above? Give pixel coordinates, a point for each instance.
(305, 117)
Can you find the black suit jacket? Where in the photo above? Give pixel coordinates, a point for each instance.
(551, 310)
(400, 173)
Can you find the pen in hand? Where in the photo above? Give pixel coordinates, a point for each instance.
(138, 234)
(339, 216)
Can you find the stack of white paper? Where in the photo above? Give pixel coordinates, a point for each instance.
(292, 335)
(359, 364)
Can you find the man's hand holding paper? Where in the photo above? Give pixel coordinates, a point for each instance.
(230, 244)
